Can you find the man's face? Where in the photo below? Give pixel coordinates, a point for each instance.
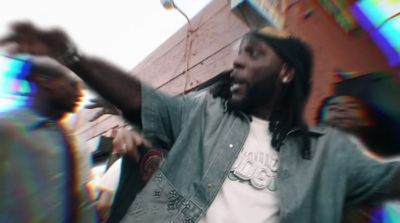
(255, 77)
(66, 93)
(347, 113)
(58, 87)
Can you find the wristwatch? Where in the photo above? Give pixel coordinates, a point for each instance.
(70, 56)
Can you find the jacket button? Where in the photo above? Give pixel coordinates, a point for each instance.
(230, 146)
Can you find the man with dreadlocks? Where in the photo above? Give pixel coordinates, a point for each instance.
(248, 157)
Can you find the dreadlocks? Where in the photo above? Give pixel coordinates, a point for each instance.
(287, 114)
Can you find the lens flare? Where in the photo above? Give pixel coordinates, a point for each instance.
(381, 19)
(14, 87)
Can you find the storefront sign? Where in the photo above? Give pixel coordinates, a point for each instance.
(267, 9)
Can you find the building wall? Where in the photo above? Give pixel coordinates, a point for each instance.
(189, 58)
(212, 37)
(333, 48)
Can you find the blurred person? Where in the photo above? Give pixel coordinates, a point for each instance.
(355, 108)
(40, 164)
(368, 107)
(248, 157)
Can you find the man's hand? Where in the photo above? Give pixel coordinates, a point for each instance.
(104, 204)
(112, 83)
(106, 108)
(128, 142)
(32, 40)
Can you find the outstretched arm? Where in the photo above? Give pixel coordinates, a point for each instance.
(370, 180)
(112, 83)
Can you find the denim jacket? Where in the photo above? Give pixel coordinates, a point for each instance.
(204, 141)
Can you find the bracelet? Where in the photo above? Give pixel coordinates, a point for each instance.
(70, 56)
(149, 163)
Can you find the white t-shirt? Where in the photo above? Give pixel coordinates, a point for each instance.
(249, 193)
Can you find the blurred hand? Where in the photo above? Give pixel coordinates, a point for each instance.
(106, 108)
(9, 48)
(32, 40)
(104, 204)
(128, 142)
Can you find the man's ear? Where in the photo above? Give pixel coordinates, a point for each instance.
(287, 74)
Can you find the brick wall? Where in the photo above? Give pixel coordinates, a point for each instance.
(215, 34)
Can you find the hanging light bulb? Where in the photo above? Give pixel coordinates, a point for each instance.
(168, 4)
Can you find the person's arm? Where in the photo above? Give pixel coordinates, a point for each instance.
(163, 115)
(370, 180)
(112, 83)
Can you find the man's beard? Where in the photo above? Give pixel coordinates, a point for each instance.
(254, 97)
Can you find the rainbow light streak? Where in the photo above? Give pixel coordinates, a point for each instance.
(389, 213)
(381, 18)
(14, 88)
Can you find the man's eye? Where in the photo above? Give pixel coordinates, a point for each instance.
(252, 53)
(332, 108)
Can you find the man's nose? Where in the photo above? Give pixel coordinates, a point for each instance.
(342, 109)
(238, 63)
